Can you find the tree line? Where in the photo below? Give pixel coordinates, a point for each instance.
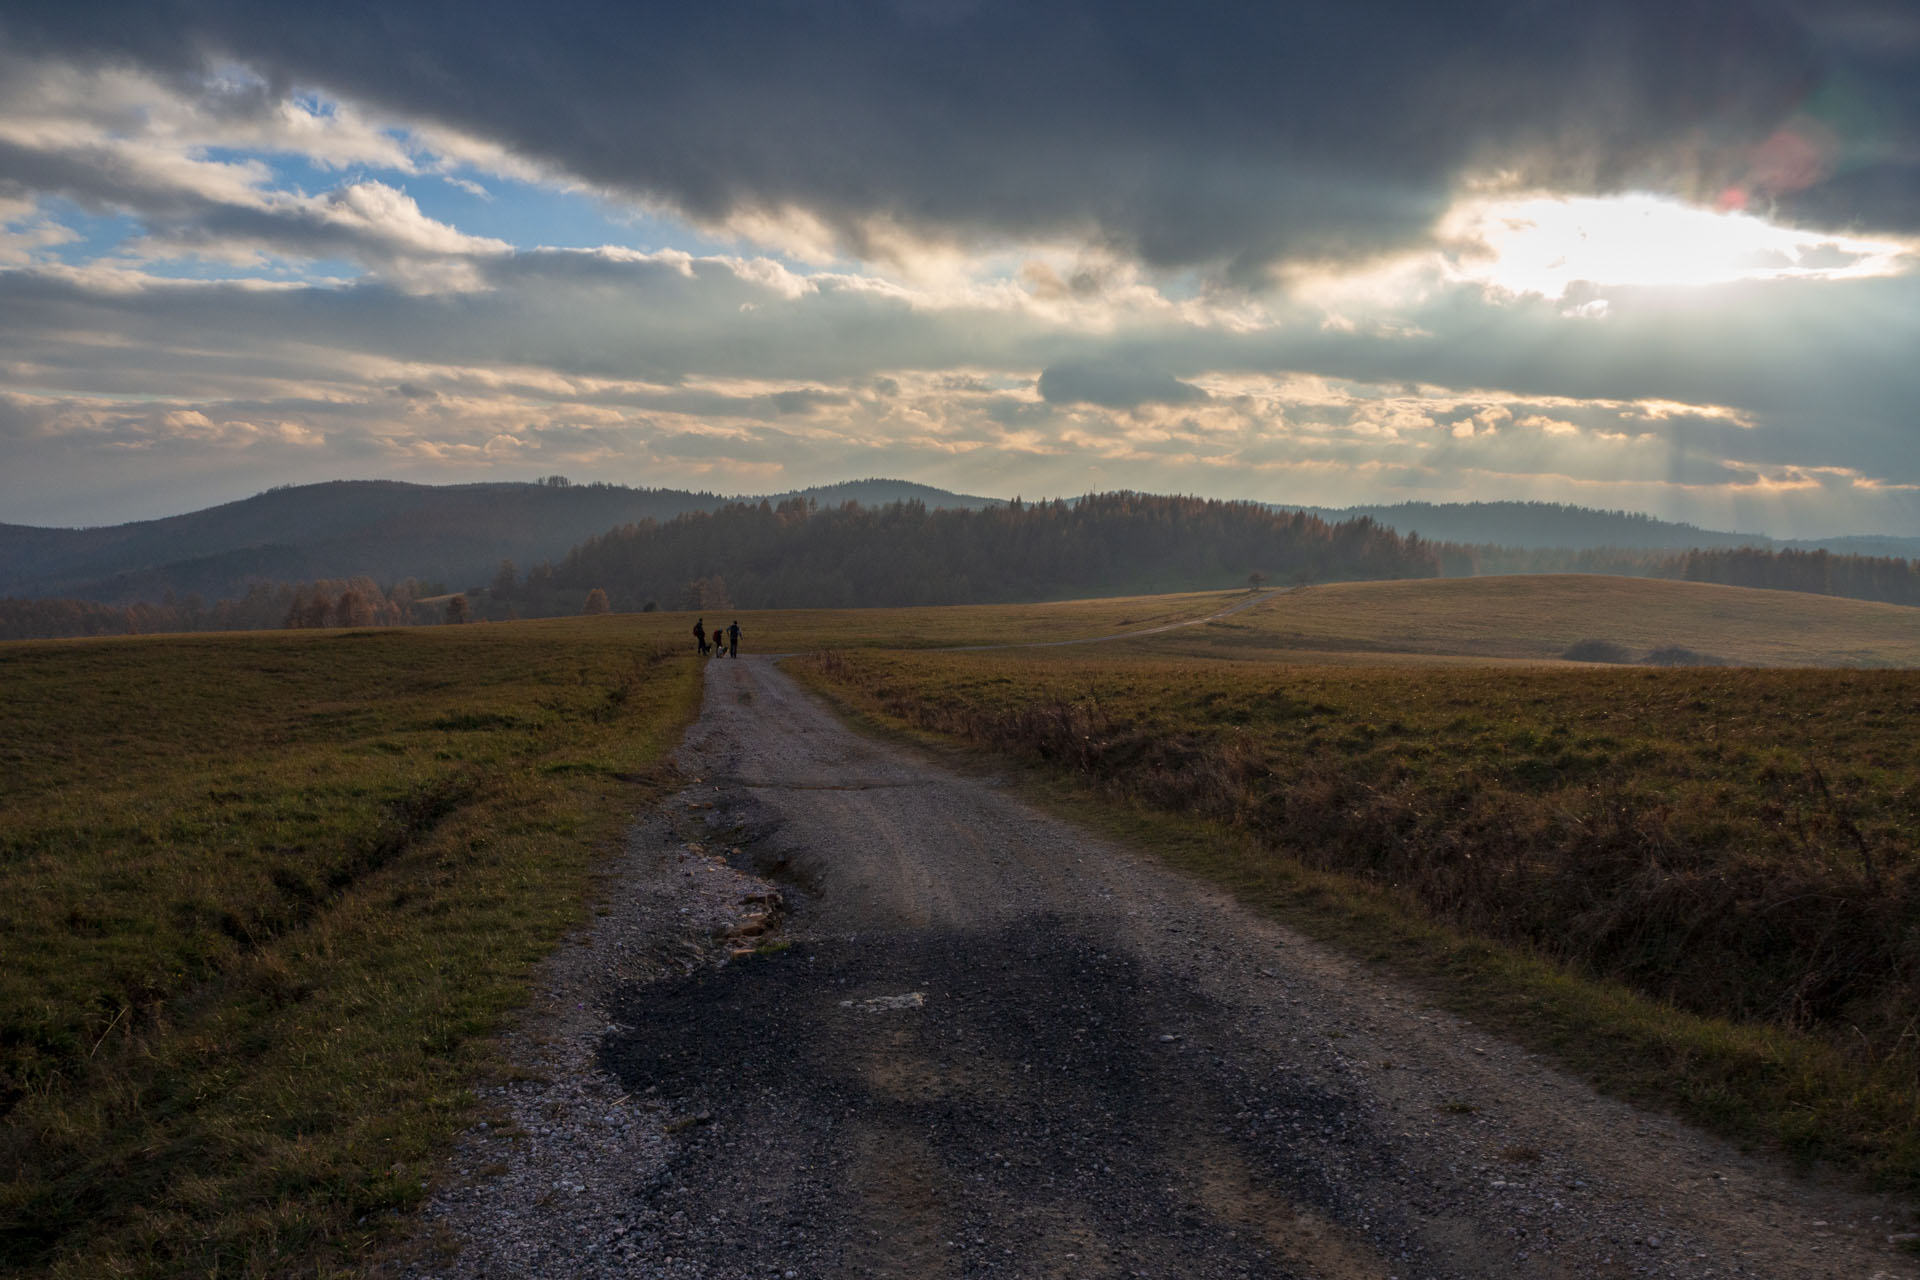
(345, 602)
(797, 555)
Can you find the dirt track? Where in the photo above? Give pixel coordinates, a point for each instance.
(995, 1046)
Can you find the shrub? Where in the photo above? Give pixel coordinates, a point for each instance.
(1596, 651)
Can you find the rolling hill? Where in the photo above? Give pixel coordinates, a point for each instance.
(1543, 617)
(381, 529)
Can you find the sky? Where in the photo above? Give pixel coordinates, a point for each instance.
(1659, 255)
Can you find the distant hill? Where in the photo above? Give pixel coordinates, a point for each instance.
(878, 493)
(453, 538)
(456, 534)
(1541, 525)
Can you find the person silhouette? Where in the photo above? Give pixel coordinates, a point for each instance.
(733, 639)
(700, 635)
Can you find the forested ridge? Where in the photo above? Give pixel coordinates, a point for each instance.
(794, 554)
(325, 602)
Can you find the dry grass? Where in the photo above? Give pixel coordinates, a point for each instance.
(266, 896)
(800, 630)
(1542, 616)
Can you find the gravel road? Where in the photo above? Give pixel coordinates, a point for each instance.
(848, 1013)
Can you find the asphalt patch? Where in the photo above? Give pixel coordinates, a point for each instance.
(1042, 1098)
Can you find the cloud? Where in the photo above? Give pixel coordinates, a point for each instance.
(118, 141)
(1113, 384)
(1221, 135)
(366, 222)
(645, 368)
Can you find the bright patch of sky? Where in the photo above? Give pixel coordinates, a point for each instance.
(1545, 244)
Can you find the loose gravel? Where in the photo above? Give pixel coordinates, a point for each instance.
(846, 1013)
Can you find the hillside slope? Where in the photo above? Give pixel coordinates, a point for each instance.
(379, 529)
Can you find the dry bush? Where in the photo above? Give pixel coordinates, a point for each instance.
(1673, 655)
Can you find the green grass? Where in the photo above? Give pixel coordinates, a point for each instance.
(1698, 885)
(265, 899)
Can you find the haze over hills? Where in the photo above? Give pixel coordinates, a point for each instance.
(381, 529)
(1541, 525)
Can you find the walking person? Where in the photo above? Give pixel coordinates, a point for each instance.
(733, 639)
(700, 635)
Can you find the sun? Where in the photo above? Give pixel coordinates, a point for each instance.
(1543, 244)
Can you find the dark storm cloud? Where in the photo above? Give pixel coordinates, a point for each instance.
(1221, 134)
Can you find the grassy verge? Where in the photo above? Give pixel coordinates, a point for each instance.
(266, 898)
(1696, 886)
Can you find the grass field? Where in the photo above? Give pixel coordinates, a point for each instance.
(264, 898)
(798, 630)
(1532, 619)
(1701, 884)
(1542, 616)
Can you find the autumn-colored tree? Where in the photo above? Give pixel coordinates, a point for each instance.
(352, 610)
(457, 609)
(310, 607)
(596, 602)
(707, 593)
